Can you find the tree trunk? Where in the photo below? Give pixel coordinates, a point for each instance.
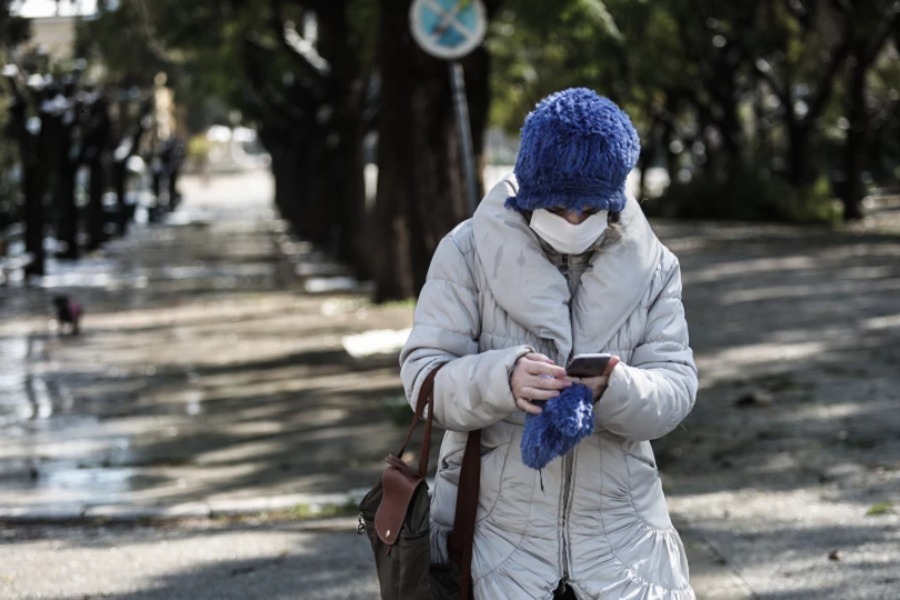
(350, 189)
(319, 216)
(346, 94)
(421, 187)
(32, 154)
(125, 211)
(34, 186)
(799, 171)
(67, 214)
(34, 220)
(95, 212)
(97, 142)
(854, 146)
(649, 151)
(389, 235)
(119, 184)
(762, 146)
(284, 143)
(478, 70)
(733, 138)
(277, 169)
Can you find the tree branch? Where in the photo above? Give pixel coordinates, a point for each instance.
(267, 93)
(824, 87)
(842, 6)
(764, 69)
(890, 24)
(299, 49)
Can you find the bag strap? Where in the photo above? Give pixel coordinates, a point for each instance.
(462, 537)
(426, 397)
(399, 481)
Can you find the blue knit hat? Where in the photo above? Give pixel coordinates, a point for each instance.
(577, 148)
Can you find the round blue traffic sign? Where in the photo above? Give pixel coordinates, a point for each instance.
(448, 28)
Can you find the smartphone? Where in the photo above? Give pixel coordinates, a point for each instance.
(588, 365)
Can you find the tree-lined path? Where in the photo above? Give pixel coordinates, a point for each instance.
(212, 383)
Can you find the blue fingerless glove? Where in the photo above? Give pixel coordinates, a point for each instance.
(565, 421)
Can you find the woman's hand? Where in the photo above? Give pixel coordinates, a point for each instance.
(536, 377)
(597, 384)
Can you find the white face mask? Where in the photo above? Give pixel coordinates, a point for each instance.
(565, 237)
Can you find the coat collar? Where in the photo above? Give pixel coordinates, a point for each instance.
(535, 294)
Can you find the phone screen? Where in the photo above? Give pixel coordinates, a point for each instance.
(588, 365)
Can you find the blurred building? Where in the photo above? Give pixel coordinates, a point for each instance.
(53, 23)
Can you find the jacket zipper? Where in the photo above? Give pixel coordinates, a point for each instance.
(564, 528)
(567, 467)
(568, 461)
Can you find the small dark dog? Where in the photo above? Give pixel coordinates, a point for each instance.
(68, 313)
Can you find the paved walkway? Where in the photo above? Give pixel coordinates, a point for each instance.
(207, 380)
(212, 383)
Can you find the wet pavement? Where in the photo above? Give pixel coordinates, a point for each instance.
(206, 378)
(225, 372)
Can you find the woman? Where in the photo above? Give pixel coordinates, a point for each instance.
(559, 260)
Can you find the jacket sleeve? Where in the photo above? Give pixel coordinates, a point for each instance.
(649, 397)
(472, 390)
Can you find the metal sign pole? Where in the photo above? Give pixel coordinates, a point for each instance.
(461, 104)
(450, 29)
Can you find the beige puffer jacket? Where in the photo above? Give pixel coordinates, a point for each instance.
(596, 517)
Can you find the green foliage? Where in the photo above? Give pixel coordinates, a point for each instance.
(203, 48)
(747, 196)
(324, 511)
(13, 31)
(121, 38)
(197, 45)
(714, 88)
(363, 17)
(10, 202)
(540, 48)
(880, 508)
(738, 94)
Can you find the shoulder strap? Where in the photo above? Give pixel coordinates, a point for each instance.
(426, 398)
(462, 537)
(399, 482)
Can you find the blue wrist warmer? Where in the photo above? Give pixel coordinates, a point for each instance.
(565, 421)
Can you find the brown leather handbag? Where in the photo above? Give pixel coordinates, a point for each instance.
(395, 516)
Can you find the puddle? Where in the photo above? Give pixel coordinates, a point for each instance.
(324, 285)
(195, 372)
(378, 341)
(25, 396)
(89, 273)
(102, 480)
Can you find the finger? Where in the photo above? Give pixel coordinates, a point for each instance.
(534, 393)
(595, 382)
(544, 368)
(597, 385)
(547, 383)
(537, 356)
(528, 406)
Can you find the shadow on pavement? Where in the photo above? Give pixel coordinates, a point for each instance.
(205, 373)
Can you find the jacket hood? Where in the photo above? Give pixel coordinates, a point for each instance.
(534, 292)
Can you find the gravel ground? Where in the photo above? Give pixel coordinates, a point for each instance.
(190, 561)
(790, 463)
